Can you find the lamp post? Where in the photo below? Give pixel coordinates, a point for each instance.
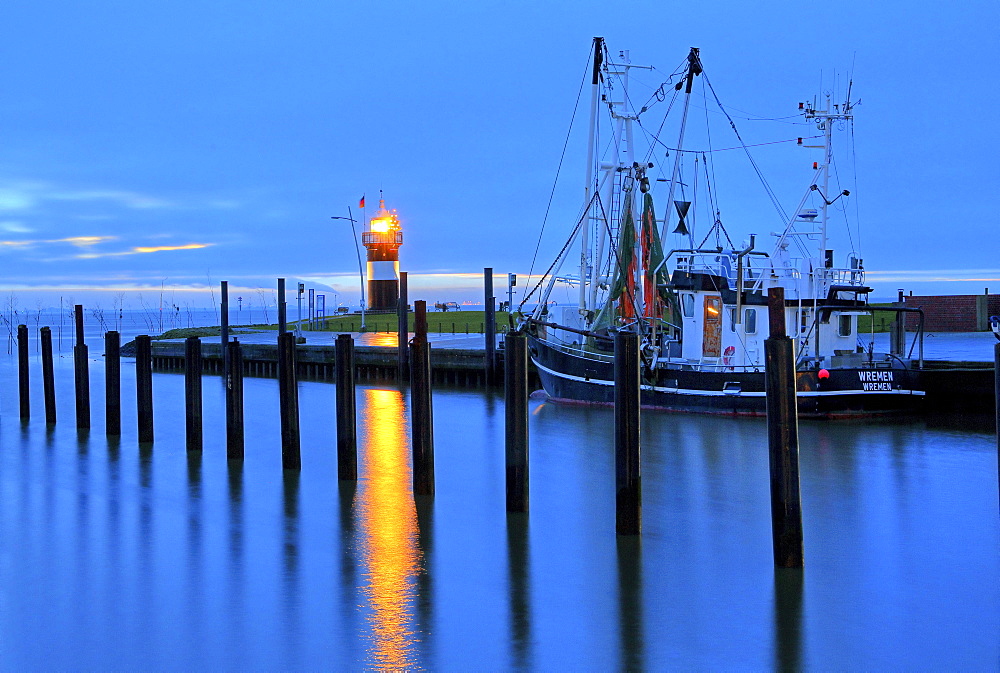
(361, 269)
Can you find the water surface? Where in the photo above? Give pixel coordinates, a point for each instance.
(116, 555)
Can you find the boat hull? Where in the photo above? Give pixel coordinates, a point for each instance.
(569, 377)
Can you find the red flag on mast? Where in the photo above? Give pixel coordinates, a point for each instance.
(361, 203)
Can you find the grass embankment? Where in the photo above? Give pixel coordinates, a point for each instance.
(451, 322)
(882, 320)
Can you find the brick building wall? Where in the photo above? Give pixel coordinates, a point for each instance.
(954, 313)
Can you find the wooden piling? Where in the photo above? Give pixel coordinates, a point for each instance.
(628, 476)
(48, 377)
(224, 327)
(144, 387)
(235, 433)
(421, 411)
(23, 387)
(996, 393)
(782, 436)
(403, 329)
(282, 323)
(347, 432)
(291, 458)
(489, 326)
(81, 373)
(112, 384)
(516, 417)
(192, 394)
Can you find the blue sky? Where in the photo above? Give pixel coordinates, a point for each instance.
(178, 144)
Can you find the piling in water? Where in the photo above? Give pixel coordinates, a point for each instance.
(628, 477)
(23, 387)
(48, 377)
(782, 436)
(112, 384)
(516, 418)
(996, 393)
(144, 387)
(81, 373)
(489, 326)
(224, 327)
(347, 432)
(403, 329)
(288, 402)
(282, 325)
(234, 402)
(192, 394)
(422, 425)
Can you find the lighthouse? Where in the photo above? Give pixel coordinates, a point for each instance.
(382, 238)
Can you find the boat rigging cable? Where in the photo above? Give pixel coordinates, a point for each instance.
(756, 168)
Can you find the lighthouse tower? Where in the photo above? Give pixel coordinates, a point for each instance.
(382, 237)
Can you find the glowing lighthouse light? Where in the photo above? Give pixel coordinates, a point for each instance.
(382, 238)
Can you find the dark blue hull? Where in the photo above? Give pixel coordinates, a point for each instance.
(570, 377)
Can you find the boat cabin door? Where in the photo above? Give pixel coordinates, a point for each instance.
(711, 342)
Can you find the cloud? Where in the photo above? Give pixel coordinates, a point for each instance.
(15, 227)
(126, 198)
(139, 250)
(25, 196)
(76, 241)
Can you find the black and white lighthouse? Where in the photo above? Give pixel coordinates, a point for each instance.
(382, 238)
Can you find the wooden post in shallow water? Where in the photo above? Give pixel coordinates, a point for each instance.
(516, 417)
(288, 401)
(489, 326)
(403, 329)
(192, 394)
(996, 392)
(224, 327)
(48, 378)
(144, 387)
(81, 373)
(282, 326)
(112, 384)
(234, 402)
(782, 437)
(347, 429)
(23, 387)
(421, 409)
(628, 476)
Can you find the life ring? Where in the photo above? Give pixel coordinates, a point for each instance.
(727, 356)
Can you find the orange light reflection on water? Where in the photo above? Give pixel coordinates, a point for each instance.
(388, 523)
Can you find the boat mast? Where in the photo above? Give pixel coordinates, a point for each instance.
(591, 177)
(694, 68)
(825, 120)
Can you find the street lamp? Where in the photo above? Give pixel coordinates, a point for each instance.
(361, 269)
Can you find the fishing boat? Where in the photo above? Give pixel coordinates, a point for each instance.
(700, 308)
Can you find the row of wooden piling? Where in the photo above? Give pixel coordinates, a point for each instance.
(782, 416)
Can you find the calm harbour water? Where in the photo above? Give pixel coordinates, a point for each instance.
(114, 556)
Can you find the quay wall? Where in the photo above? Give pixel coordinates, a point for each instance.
(950, 386)
(454, 366)
(953, 313)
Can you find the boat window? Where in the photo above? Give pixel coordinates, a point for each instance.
(688, 305)
(845, 325)
(732, 320)
(750, 321)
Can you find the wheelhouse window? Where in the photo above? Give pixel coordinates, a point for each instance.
(687, 300)
(845, 326)
(732, 320)
(750, 321)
